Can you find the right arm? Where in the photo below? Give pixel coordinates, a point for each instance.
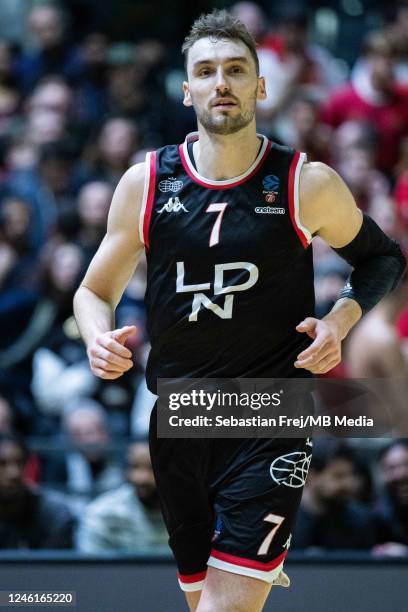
(107, 277)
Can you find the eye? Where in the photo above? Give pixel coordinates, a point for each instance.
(236, 69)
(204, 72)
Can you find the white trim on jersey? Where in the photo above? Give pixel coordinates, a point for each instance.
(269, 577)
(189, 587)
(302, 159)
(144, 198)
(226, 181)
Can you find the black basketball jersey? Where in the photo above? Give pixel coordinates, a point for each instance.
(229, 267)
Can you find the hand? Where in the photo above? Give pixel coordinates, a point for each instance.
(325, 351)
(108, 357)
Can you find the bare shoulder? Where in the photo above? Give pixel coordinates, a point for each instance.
(327, 207)
(316, 179)
(127, 199)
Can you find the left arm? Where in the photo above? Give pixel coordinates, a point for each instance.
(328, 210)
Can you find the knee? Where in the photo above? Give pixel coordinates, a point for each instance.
(209, 604)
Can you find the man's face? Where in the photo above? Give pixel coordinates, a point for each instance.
(381, 71)
(140, 473)
(11, 471)
(394, 469)
(222, 85)
(336, 483)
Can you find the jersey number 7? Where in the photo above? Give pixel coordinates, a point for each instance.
(215, 232)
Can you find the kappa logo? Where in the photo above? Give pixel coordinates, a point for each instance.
(170, 184)
(173, 205)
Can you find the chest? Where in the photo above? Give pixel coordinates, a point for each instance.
(251, 217)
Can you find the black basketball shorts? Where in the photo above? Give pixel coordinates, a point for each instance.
(229, 503)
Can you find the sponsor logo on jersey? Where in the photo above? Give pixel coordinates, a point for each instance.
(269, 210)
(173, 205)
(271, 185)
(170, 184)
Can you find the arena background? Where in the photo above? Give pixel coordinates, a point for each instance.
(86, 88)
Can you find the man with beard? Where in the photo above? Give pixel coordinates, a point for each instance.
(226, 220)
(391, 509)
(29, 518)
(329, 517)
(127, 519)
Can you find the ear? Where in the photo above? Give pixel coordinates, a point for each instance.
(187, 96)
(261, 89)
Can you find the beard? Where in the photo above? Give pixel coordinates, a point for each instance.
(224, 124)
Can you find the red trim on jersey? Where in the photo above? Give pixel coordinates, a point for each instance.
(291, 198)
(150, 199)
(234, 184)
(190, 578)
(257, 565)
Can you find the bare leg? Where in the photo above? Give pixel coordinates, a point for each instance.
(192, 599)
(227, 592)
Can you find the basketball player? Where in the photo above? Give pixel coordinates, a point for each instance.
(226, 220)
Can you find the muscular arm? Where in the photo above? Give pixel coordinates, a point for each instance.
(107, 276)
(328, 210)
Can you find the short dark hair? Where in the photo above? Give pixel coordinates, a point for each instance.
(218, 25)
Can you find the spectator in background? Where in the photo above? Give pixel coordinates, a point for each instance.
(374, 350)
(356, 166)
(10, 96)
(329, 517)
(126, 519)
(49, 189)
(391, 509)
(374, 96)
(6, 416)
(53, 94)
(93, 207)
(91, 88)
(107, 158)
(52, 53)
(88, 468)
(29, 518)
(306, 133)
(15, 225)
(41, 319)
(60, 370)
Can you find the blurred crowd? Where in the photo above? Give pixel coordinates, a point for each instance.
(74, 115)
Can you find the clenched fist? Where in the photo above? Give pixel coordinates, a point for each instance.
(108, 357)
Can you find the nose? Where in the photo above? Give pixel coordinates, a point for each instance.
(222, 85)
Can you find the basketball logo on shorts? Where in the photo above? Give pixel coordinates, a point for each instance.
(291, 469)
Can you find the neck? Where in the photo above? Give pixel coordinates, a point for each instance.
(221, 157)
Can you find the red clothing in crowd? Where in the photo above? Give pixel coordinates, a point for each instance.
(402, 324)
(401, 198)
(390, 119)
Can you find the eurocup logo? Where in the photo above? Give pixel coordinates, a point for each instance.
(291, 470)
(270, 188)
(271, 183)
